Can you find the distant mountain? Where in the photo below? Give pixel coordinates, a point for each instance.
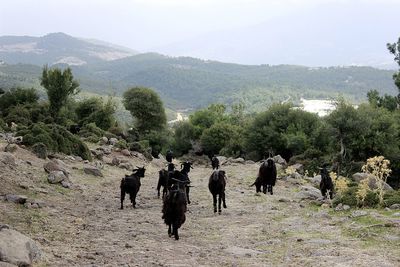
(310, 37)
(56, 48)
(185, 82)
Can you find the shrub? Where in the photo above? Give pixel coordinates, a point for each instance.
(121, 144)
(347, 198)
(392, 197)
(56, 138)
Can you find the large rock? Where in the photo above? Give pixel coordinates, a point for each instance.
(359, 176)
(92, 171)
(298, 168)
(116, 161)
(308, 192)
(237, 160)
(104, 140)
(113, 141)
(98, 154)
(56, 177)
(53, 166)
(18, 249)
(19, 199)
(105, 149)
(126, 152)
(7, 158)
(278, 159)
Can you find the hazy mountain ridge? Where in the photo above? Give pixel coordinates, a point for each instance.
(57, 48)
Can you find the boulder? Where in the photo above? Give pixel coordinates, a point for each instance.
(126, 152)
(66, 184)
(7, 158)
(113, 141)
(99, 164)
(115, 161)
(237, 160)
(359, 176)
(40, 150)
(395, 207)
(105, 149)
(278, 159)
(104, 140)
(98, 154)
(56, 177)
(18, 249)
(19, 199)
(92, 171)
(298, 168)
(308, 192)
(53, 166)
(126, 165)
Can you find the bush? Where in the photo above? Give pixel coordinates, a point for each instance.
(56, 138)
(93, 110)
(121, 144)
(347, 198)
(391, 197)
(92, 131)
(16, 97)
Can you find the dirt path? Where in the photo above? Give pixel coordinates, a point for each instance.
(84, 227)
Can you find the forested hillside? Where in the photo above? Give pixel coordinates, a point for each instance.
(193, 83)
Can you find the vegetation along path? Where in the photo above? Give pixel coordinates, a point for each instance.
(84, 226)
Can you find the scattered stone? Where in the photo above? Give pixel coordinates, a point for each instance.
(98, 154)
(284, 200)
(298, 168)
(23, 185)
(40, 150)
(7, 158)
(308, 192)
(106, 149)
(78, 158)
(127, 245)
(126, 152)
(52, 166)
(11, 148)
(56, 177)
(17, 248)
(278, 159)
(237, 160)
(66, 184)
(104, 140)
(346, 207)
(113, 141)
(249, 162)
(115, 161)
(359, 176)
(359, 213)
(71, 158)
(99, 165)
(299, 239)
(93, 171)
(19, 199)
(396, 214)
(126, 165)
(395, 207)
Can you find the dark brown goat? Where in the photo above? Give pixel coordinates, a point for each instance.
(163, 179)
(216, 185)
(266, 176)
(185, 169)
(326, 184)
(215, 163)
(130, 184)
(175, 207)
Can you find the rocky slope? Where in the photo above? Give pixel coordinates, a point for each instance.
(82, 225)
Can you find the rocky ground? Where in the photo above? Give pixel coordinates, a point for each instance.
(83, 225)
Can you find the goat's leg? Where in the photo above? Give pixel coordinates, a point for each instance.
(270, 189)
(215, 202)
(133, 199)
(122, 198)
(219, 203)
(258, 188)
(265, 189)
(169, 230)
(158, 189)
(187, 194)
(175, 230)
(223, 199)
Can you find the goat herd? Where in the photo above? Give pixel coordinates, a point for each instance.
(176, 185)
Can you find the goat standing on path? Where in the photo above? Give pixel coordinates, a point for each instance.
(216, 185)
(326, 184)
(175, 207)
(131, 184)
(266, 176)
(215, 163)
(186, 166)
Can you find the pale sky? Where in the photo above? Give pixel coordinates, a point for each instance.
(145, 25)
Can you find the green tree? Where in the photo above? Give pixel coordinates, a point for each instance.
(95, 110)
(59, 85)
(146, 107)
(387, 101)
(394, 48)
(184, 134)
(216, 137)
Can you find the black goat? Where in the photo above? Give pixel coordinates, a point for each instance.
(131, 184)
(74, 128)
(326, 184)
(266, 176)
(175, 207)
(163, 179)
(216, 185)
(215, 163)
(169, 156)
(185, 169)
